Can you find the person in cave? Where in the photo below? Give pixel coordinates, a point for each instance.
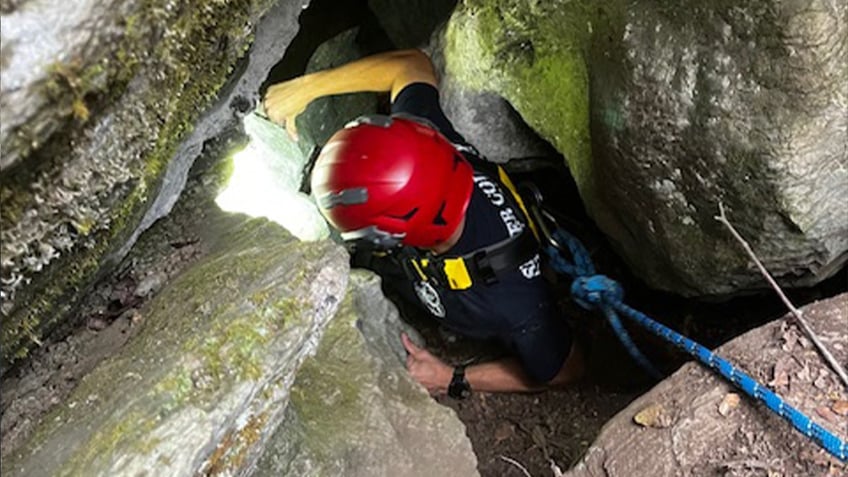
(417, 204)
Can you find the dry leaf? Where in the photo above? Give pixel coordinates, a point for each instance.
(729, 403)
(827, 414)
(780, 376)
(821, 381)
(654, 416)
(503, 431)
(840, 407)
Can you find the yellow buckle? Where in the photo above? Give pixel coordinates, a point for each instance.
(457, 274)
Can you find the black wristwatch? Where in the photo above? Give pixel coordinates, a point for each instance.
(459, 387)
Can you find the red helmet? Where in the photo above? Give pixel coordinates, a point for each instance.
(392, 180)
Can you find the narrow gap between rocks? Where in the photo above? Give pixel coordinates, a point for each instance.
(532, 429)
(535, 429)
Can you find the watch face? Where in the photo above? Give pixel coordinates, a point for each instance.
(459, 387)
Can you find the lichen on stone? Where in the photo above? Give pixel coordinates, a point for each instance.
(79, 193)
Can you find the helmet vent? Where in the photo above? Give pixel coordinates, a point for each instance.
(456, 160)
(407, 216)
(439, 220)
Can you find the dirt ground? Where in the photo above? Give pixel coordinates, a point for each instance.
(536, 430)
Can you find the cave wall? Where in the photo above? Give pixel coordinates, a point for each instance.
(102, 120)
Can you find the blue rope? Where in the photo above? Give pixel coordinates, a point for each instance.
(597, 291)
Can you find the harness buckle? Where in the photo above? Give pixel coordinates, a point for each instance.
(456, 273)
(484, 267)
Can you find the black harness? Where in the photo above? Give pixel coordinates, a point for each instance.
(481, 266)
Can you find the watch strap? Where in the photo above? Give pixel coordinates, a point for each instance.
(459, 387)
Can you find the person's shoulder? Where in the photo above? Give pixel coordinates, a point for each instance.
(416, 91)
(421, 100)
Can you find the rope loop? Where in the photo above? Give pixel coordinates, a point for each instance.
(596, 291)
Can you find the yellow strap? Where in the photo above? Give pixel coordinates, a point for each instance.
(418, 268)
(508, 183)
(457, 274)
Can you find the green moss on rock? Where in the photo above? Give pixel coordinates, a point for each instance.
(533, 54)
(180, 48)
(216, 342)
(329, 388)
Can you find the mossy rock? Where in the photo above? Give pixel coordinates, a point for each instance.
(354, 409)
(741, 103)
(209, 372)
(75, 191)
(533, 54)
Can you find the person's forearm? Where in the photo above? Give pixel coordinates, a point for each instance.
(499, 376)
(384, 72)
(509, 375)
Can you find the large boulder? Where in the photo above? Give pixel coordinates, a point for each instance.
(220, 381)
(205, 381)
(105, 107)
(355, 411)
(664, 111)
(409, 23)
(694, 422)
(484, 118)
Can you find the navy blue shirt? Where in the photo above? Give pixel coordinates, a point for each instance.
(518, 309)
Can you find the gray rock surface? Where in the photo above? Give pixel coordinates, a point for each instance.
(484, 118)
(107, 107)
(354, 410)
(205, 381)
(694, 423)
(661, 112)
(409, 23)
(744, 103)
(324, 116)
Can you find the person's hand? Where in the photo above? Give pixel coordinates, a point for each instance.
(428, 370)
(284, 101)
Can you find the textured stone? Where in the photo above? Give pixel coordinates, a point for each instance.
(690, 105)
(324, 116)
(747, 439)
(354, 410)
(409, 23)
(531, 54)
(739, 102)
(485, 119)
(107, 121)
(203, 384)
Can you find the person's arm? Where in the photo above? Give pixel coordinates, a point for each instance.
(504, 375)
(384, 72)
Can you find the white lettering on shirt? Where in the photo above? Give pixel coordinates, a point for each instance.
(490, 189)
(531, 268)
(514, 226)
